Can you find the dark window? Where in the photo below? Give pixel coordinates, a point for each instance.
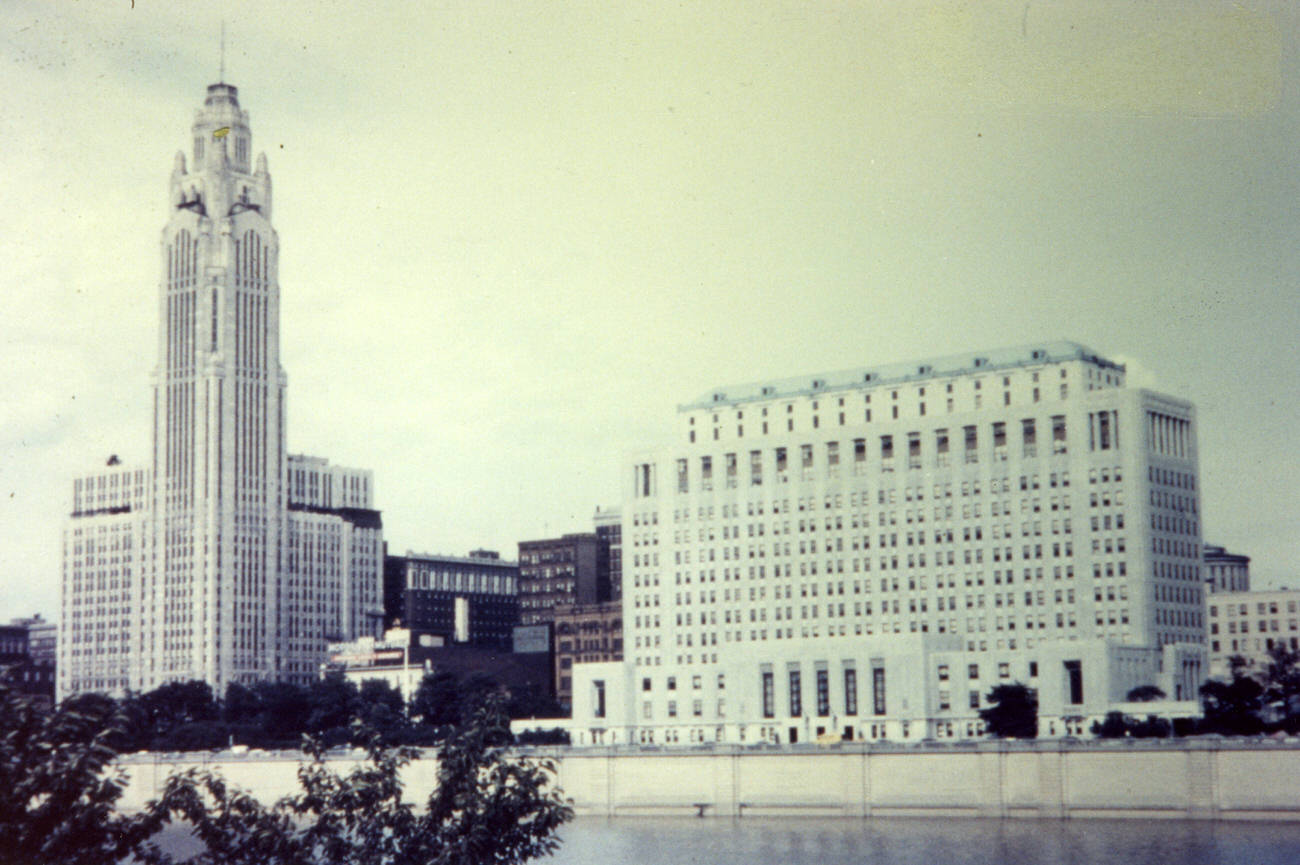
(769, 696)
(878, 690)
(823, 693)
(1074, 677)
(850, 691)
(796, 697)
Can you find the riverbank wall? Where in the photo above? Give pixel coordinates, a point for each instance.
(1187, 779)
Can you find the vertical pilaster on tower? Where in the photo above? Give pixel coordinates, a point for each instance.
(219, 572)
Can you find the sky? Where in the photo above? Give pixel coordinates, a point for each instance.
(515, 236)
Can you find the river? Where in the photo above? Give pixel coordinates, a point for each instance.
(924, 841)
(910, 841)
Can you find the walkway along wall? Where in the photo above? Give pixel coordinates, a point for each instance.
(1177, 779)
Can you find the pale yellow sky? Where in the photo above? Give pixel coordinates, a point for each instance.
(515, 236)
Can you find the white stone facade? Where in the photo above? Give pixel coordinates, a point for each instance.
(206, 565)
(1248, 624)
(990, 506)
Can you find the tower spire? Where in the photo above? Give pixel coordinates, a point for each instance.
(221, 77)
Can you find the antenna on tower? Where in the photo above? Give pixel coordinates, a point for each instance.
(221, 79)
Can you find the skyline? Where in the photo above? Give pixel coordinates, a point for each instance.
(562, 229)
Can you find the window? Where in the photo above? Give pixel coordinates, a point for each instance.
(1004, 671)
(943, 672)
(823, 693)
(973, 671)
(598, 698)
(1058, 434)
(1074, 681)
(672, 683)
(796, 697)
(645, 684)
(886, 447)
(878, 690)
(769, 696)
(859, 450)
(850, 691)
(974, 699)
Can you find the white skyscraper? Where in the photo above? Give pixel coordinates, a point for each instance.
(227, 560)
(866, 553)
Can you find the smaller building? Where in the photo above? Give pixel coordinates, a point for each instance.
(1249, 624)
(25, 672)
(470, 600)
(13, 644)
(901, 688)
(404, 656)
(585, 634)
(1225, 571)
(557, 572)
(42, 638)
(609, 553)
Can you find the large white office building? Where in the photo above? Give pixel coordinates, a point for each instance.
(865, 554)
(225, 559)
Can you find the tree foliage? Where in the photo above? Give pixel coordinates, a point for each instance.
(1117, 725)
(487, 807)
(1012, 713)
(1233, 707)
(1282, 677)
(1145, 694)
(58, 790)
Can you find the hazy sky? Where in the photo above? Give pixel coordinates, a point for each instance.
(515, 236)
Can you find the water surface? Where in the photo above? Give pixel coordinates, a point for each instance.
(923, 841)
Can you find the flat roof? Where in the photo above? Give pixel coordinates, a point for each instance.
(924, 369)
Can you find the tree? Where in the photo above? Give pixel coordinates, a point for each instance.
(1152, 728)
(1115, 726)
(57, 790)
(1282, 677)
(1013, 712)
(284, 711)
(487, 807)
(382, 709)
(1232, 707)
(334, 703)
(1145, 694)
(437, 701)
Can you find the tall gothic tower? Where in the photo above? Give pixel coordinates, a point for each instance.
(219, 457)
(226, 559)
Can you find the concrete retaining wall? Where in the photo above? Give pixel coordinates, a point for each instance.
(1179, 779)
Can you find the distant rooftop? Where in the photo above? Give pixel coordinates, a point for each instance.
(1211, 553)
(948, 366)
(476, 557)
